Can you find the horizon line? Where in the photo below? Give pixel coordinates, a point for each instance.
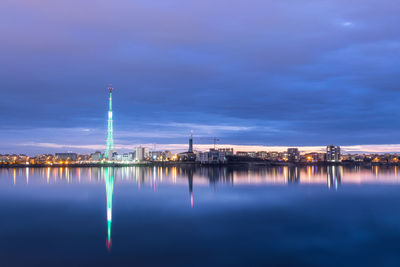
(346, 149)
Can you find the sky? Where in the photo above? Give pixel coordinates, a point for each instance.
(252, 73)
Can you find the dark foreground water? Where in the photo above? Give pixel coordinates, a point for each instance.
(135, 216)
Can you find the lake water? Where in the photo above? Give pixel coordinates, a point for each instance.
(163, 216)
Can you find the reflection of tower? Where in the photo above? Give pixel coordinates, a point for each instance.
(191, 142)
(293, 175)
(109, 181)
(110, 137)
(334, 176)
(190, 178)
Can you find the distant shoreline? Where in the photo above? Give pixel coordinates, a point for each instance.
(189, 164)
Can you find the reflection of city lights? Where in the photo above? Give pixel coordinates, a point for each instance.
(48, 174)
(156, 176)
(27, 175)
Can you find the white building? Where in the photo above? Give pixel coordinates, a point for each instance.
(202, 157)
(125, 157)
(227, 151)
(146, 153)
(96, 156)
(211, 157)
(333, 153)
(140, 153)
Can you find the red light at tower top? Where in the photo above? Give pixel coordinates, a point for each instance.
(110, 88)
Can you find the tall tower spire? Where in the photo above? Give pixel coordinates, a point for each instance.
(110, 130)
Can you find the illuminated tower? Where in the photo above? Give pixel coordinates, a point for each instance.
(191, 142)
(109, 181)
(110, 135)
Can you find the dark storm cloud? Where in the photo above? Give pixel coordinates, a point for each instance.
(267, 72)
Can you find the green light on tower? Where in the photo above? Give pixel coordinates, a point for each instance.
(110, 134)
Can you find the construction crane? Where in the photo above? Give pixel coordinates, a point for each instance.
(214, 139)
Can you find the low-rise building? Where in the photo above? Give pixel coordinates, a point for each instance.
(273, 155)
(242, 154)
(262, 154)
(314, 157)
(67, 156)
(252, 154)
(126, 157)
(186, 156)
(227, 151)
(211, 157)
(96, 156)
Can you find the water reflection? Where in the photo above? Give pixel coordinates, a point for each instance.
(154, 178)
(109, 182)
(293, 175)
(332, 176)
(190, 182)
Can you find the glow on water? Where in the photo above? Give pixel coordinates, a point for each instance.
(120, 215)
(205, 175)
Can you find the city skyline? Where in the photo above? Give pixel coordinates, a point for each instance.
(298, 77)
(200, 133)
(48, 148)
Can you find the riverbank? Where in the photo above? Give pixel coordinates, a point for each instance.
(189, 164)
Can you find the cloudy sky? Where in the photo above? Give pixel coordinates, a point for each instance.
(250, 72)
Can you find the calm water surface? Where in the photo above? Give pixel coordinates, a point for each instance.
(145, 216)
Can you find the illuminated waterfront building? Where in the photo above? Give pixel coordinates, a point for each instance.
(252, 154)
(160, 155)
(333, 153)
(155, 155)
(227, 151)
(95, 156)
(202, 157)
(242, 154)
(67, 156)
(262, 154)
(293, 154)
(314, 157)
(273, 155)
(140, 153)
(110, 131)
(125, 157)
(211, 157)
